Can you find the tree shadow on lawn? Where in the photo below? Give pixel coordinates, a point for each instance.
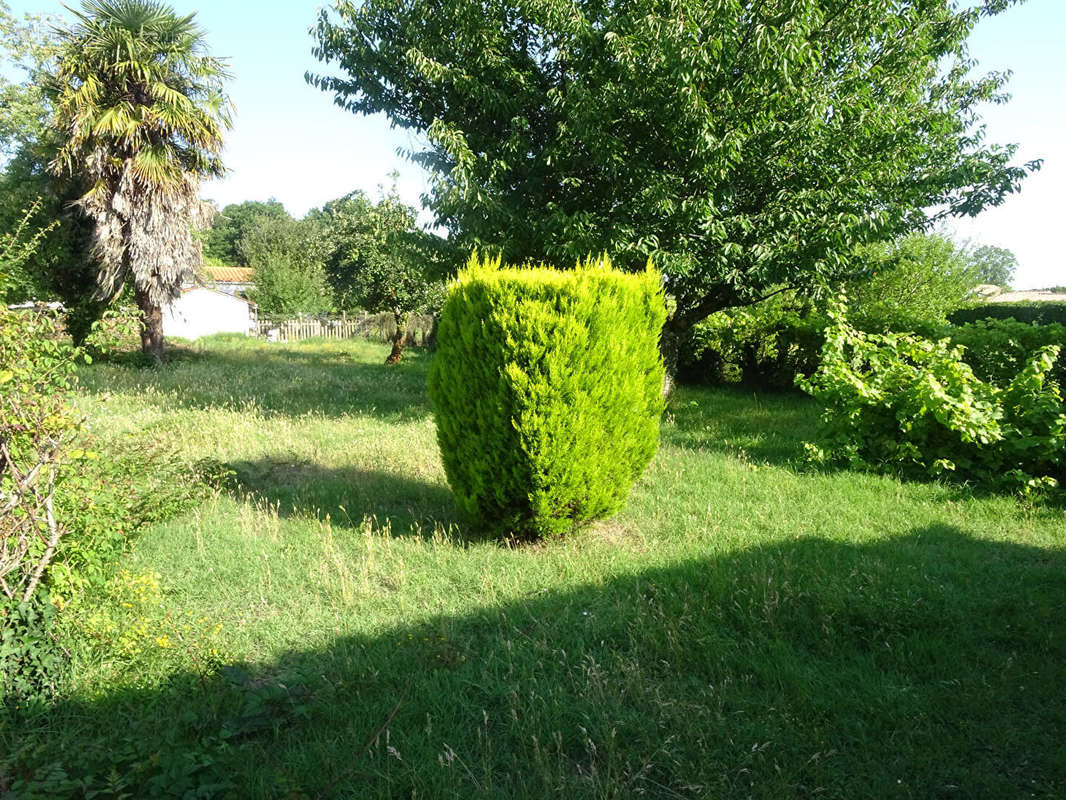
(765, 427)
(928, 665)
(770, 427)
(287, 382)
(412, 507)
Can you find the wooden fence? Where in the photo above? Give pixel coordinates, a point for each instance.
(375, 327)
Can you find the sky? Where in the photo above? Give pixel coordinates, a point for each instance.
(291, 143)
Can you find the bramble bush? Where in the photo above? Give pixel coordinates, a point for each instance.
(906, 404)
(68, 503)
(548, 392)
(65, 508)
(36, 427)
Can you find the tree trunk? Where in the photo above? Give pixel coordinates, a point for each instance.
(669, 345)
(430, 340)
(152, 326)
(399, 339)
(677, 327)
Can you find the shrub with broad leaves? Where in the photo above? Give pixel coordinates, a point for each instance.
(910, 405)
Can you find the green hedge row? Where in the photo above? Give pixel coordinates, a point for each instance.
(769, 347)
(998, 349)
(1035, 313)
(547, 389)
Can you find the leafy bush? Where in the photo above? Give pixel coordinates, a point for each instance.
(905, 404)
(910, 283)
(907, 285)
(30, 657)
(1034, 312)
(766, 345)
(547, 387)
(771, 344)
(998, 349)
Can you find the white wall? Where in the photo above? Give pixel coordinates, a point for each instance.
(200, 312)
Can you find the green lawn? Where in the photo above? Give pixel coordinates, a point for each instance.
(325, 627)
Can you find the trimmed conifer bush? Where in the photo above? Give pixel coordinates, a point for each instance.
(547, 388)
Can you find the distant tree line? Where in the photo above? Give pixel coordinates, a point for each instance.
(352, 253)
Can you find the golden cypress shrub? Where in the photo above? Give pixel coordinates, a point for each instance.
(547, 389)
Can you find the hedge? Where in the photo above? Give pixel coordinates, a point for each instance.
(547, 391)
(1033, 312)
(998, 349)
(906, 404)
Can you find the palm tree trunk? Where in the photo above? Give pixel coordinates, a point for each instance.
(152, 325)
(399, 339)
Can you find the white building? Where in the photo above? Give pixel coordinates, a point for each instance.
(201, 311)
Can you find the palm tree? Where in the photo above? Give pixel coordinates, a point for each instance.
(140, 111)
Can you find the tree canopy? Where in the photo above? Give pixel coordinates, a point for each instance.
(223, 243)
(995, 265)
(745, 146)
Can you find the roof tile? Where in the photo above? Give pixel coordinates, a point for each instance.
(229, 274)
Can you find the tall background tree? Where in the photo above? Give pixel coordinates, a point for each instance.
(140, 110)
(379, 260)
(995, 265)
(223, 243)
(287, 259)
(23, 110)
(747, 146)
(917, 279)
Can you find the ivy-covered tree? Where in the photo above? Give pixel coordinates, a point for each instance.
(745, 146)
(379, 260)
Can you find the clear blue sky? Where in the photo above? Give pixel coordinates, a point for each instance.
(290, 142)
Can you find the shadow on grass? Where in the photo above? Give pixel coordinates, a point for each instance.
(930, 665)
(344, 378)
(772, 427)
(764, 428)
(346, 495)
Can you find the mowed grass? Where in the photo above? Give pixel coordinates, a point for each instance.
(745, 628)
